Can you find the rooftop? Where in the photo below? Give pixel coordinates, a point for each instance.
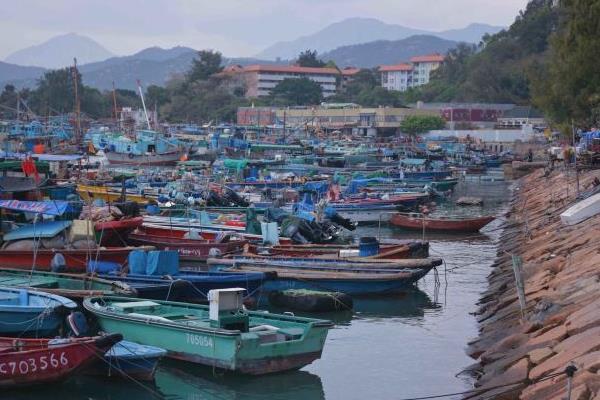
(290, 69)
(397, 67)
(348, 71)
(428, 58)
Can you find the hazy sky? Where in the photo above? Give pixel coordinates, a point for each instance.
(235, 27)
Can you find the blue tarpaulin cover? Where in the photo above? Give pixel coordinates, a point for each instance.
(50, 207)
(137, 262)
(162, 262)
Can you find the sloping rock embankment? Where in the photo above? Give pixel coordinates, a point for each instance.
(560, 325)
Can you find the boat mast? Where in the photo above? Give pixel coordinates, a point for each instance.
(114, 96)
(144, 104)
(77, 105)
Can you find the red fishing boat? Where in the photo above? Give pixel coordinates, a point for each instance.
(386, 251)
(440, 224)
(192, 250)
(114, 233)
(207, 234)
(75, 260)
(25, 362)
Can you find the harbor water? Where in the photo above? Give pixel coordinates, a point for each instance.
(406, 345)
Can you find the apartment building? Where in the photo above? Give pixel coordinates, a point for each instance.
(396, 77)
(403, 76)
(259, 80)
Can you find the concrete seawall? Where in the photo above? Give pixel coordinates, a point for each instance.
(561, 320)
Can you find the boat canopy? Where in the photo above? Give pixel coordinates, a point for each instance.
(49, 207)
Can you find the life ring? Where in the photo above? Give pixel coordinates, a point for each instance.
(130, 155)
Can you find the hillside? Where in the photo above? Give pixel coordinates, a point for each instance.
(502, 70)
(380, 52)
(58, 52)
(362, 30)
(13, 73)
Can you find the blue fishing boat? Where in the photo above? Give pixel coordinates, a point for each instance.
(190, 286)
(361, 277)
(129, 360)
(29, 313)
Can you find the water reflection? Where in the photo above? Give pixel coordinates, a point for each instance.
(177, 381)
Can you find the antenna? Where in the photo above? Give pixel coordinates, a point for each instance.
(143, 103)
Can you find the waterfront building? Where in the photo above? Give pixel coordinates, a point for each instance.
(328, 117)
(258, 80)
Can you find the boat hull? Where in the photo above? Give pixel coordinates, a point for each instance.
(190, 250)
(232, 350)
(170, 158)
(114, 233)
(46, 363)
(76, 260)
(440, 225)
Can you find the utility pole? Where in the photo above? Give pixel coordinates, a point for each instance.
(77, 105)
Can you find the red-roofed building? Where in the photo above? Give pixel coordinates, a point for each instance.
(403, 76)
(423, 65)
(259, 80)
(348, 74)
(396, 77)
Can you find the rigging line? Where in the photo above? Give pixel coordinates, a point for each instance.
(482, 390)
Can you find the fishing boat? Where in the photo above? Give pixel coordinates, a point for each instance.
(415, 221)
(72, 286)
(30, 313)
(76, 260)
(147, 148)
(223, 336)
(26, 362)
(190, 286)
(386, 251)
(356, 277)
(89, 193)
(114, 233)
(311, 300)
(129, 360)
(190, 250)
(165, 230)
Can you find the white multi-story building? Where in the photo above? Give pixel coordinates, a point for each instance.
(403, 76)
(396, 77)
(259, 80)
(422, 67)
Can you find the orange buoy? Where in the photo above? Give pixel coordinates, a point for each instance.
(39, 149)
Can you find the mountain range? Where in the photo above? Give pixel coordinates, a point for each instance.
(382, 52)
(155, 65)
(362, 30)
(58, 52)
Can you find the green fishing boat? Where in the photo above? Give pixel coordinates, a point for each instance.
(222, 335)
(73, 286)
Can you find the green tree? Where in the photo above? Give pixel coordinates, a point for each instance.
(309, 58)
(207, 64)
(567, 84)
(501, 68)
(418, 124)
(55, 92)
(156, 95)
(298, 92)
(8, 102)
